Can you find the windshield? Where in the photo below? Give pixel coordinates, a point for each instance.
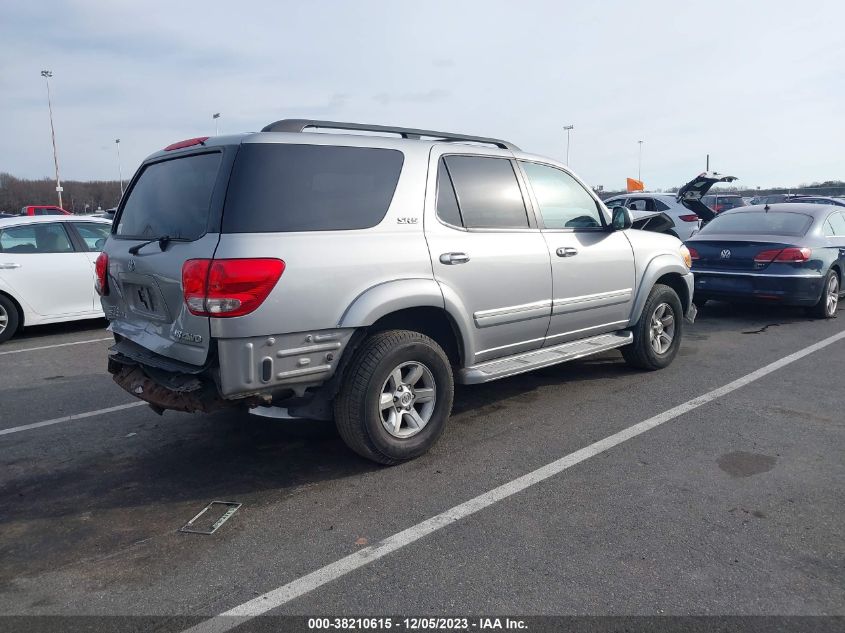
(772, 223)
(171, 198)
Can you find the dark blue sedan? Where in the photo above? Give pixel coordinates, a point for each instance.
(789, 253)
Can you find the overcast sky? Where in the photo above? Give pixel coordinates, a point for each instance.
(758, 85)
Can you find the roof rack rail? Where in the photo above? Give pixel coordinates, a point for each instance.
(300, 125)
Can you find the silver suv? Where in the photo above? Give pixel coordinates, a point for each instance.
(358, 277)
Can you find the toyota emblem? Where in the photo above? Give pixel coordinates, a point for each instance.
(725, 254)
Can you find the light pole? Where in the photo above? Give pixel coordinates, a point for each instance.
(568, 129)
(47, 74)
(640, 163)
(119, 169)
(216, 116)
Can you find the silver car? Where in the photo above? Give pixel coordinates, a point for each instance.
(359, 276)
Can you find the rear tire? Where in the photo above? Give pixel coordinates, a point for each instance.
(829, 301)
(10, 318)
(658, 333)
(395, 398)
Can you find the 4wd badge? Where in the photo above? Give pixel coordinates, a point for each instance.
(187, 337)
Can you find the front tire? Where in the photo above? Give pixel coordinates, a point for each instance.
(658, 333)
(395, 398)
(829, 301)
(10, 318)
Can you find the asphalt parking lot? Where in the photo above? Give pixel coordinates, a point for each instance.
(734, 506)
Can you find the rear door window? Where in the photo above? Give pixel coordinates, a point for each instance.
(93, 234)
(171, 197)
(447, 203)
(837, 223)
(35, 238)
(488, 193)
(641, 204)
(278, 187)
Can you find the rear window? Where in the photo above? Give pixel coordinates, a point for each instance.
(171, 198)
(771, 223)
(487, 191)
(280, 187)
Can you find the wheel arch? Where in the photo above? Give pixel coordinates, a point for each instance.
(18, 306)
(418, 304)
(668, 270)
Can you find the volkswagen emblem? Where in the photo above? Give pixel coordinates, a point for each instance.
(132, 263)
(725, 254)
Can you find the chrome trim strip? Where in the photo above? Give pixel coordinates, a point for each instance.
(586, 329)
(510, 314)
(737, 274)
(496, 349)
(585, 302)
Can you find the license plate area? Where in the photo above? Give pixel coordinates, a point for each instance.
(144, 297)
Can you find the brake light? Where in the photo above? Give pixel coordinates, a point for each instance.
(689, 217)
(101, 270)
(693, 254)
(228, 287)
(200, 140)
(791, 254)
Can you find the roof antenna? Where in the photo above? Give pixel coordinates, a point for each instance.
(766, 208)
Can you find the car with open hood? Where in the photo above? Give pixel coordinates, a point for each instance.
(685, 208)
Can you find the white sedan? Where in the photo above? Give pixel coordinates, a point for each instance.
(47, 270)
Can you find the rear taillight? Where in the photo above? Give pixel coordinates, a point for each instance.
(689, 217)
(101, 270)
(228, 287)
(693, 254)
(791, 254)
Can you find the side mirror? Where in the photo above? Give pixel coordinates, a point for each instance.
(621, 219)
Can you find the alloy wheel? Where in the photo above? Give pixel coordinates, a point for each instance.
(832, 295)
(661, 331)
(4, 319)
(407, 399)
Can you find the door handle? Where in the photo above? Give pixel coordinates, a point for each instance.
(9, 265)
(454, 258)
(566, 251)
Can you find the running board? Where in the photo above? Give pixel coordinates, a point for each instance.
(535, 359)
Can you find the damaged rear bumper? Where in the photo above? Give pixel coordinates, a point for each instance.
(163, 389)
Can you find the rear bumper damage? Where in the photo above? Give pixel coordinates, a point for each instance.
(163, 390)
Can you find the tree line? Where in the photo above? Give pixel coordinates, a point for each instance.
(78, 196)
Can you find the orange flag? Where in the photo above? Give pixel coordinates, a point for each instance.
(635, 185)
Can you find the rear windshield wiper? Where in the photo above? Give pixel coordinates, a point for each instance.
(163, 241)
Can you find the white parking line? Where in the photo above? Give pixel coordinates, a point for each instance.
(296, 588)
(70, 418)
(33, 349)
